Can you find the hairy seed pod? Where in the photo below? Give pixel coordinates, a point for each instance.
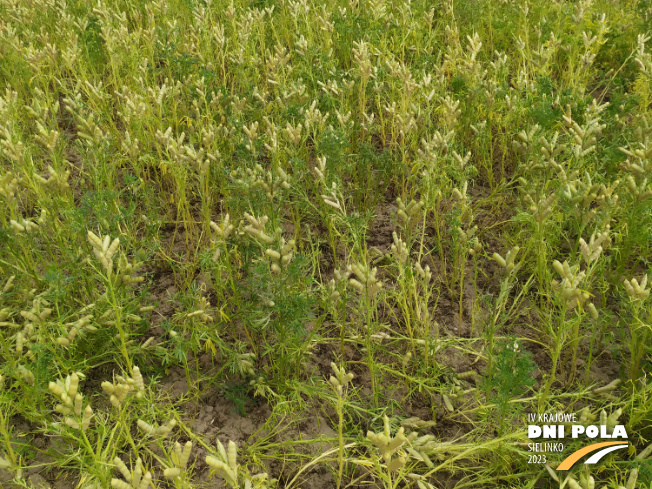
(274, 255)
(145, 427)
(171, 473)
(232, 454)
(593, 311)
(72, 423)
(356, 284)
(138, 379)
(78, 404)
(88, 414)
(499, 259)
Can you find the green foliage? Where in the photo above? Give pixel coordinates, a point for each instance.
(237, 393)
(231, 195)
(93, 44)
(512, 377)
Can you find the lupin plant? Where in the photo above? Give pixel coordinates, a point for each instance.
(398, 138)
(281, 259)
(222, 231)
(180, 457)
(389, 447)
(365, 280)
(27, 226)
(271, 182)
(118, 391)
(156, 432)
(511, 268)
(569, 290)
(256, 228)
(135, 478)
(227, 467)
(508, 262)
(638, 293)
(75, 328)
(55, 180)
(71, 405)
(115, 276)
(406, 212)
(366, 283)
(104, 250)
(202, 311)
(9, 458)
(339, 383)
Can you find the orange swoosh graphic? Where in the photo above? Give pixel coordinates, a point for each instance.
(575, 456)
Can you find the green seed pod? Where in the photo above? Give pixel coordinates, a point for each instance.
(448, 403)
(145, 427)
(171, 473)
(274, 255)
(593, 311)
